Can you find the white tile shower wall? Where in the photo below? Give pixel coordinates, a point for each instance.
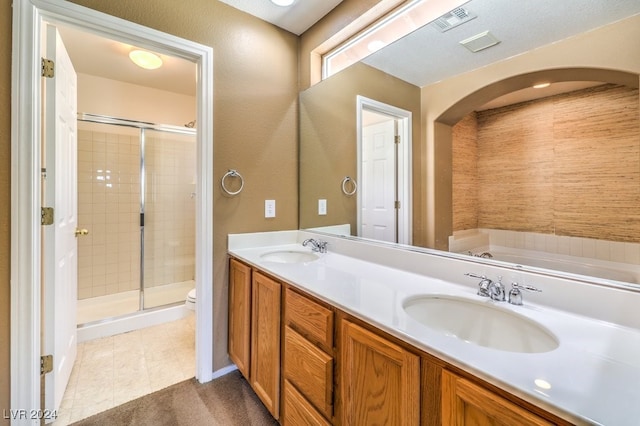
(108, 206)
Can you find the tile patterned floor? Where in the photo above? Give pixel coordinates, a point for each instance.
(113, 370)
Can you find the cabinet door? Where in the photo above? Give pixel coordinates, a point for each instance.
(380, 381)
(240, 315)
(265, 341)
(466, 403)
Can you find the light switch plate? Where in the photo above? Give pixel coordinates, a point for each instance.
(269, 208)
(322, 207)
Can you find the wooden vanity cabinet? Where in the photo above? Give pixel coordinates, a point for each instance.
(308, 362)
(264, 373)
(254, 331)
(240, 315)
(467, 403)
(334, 369)
(380, 380)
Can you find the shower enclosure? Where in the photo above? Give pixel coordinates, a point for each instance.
(136, 197)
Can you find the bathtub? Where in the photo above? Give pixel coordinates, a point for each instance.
(608, 270)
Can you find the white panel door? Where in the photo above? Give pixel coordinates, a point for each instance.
(60, 245)
(378, 186)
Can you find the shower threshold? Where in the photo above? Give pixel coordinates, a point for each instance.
(102, 308)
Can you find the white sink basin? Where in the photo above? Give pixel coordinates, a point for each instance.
(289, 256)
(481, 323)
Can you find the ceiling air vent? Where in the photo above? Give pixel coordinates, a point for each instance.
(480, 41)
(452, 19)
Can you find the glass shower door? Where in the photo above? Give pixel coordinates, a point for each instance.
(108, 205)
(167, 217)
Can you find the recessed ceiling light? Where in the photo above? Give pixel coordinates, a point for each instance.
(542, 384)
(541, 85)
(146, 60)
(283, 2)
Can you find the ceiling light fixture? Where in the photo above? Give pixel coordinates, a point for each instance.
(283, 2)
(542, 384)
(541, 85)
(146, 60)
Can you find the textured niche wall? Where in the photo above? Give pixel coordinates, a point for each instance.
(565, 165)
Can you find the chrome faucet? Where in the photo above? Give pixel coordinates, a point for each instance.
(316, 245)
(483, 285)
(489, 288)
(497, 291)
(515, 294)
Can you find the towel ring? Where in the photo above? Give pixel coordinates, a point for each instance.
(346, 180)
(232, 173)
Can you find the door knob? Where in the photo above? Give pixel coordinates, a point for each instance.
(81, 232)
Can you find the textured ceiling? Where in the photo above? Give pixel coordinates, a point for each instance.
(427, 55)
(296, 18)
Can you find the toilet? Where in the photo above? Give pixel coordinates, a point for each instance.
(190, 303)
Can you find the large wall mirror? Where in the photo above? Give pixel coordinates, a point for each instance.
(543, 179)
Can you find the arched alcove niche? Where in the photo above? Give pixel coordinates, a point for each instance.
(440, 210)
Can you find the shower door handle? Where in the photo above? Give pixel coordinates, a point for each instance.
(80, 232)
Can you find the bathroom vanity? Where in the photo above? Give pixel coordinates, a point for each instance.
(371, 332)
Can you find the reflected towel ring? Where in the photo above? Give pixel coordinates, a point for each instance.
(346, 180)
(232, 173)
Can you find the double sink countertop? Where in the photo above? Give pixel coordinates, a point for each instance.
(592, 377)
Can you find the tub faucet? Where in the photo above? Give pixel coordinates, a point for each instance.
(485, 255)
(316, 245)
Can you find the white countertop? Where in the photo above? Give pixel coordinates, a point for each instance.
(594, 374)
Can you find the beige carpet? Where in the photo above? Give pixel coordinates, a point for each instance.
(228, 400)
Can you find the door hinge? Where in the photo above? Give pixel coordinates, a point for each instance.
(397, 205)
(46, 216)
(46, 364)
(48, 68)
(396, 139)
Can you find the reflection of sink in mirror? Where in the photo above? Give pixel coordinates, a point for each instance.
(289, 256)
(480, 323)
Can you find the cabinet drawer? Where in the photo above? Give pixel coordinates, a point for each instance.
(298, 411)
(313, 321)
(310, 370)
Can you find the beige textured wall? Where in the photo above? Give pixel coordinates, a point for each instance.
(328, 140)
(464, 192)
(255, 130)
(99, 95)
(5, 201)
(612, 47)
(566, 165)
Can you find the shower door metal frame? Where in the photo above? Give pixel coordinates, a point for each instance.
(142, 127)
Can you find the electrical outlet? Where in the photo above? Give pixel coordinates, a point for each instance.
(269, 208)
(322, 207)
